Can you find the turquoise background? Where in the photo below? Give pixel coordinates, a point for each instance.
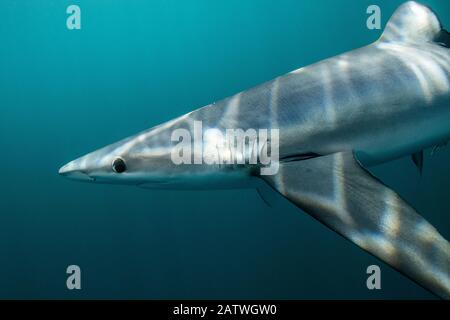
(135, 64)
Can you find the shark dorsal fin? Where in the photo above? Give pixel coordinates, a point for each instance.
(412, 22)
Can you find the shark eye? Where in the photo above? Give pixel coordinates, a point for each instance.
(119, 165)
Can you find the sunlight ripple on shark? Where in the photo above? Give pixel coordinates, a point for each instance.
(335, 118)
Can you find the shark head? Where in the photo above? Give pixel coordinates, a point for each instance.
(146, 160)
(140, 159)
(106, 164)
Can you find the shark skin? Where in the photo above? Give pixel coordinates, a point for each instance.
(368, 106)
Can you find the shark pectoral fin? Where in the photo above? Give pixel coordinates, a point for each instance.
(417, 158)
(338, 192)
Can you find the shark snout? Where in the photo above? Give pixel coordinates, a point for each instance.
(72, 170)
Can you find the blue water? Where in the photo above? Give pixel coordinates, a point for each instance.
(135, 64)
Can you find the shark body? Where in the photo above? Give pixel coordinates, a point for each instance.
(368, 106)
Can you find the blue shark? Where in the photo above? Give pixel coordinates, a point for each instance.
(336, 118)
